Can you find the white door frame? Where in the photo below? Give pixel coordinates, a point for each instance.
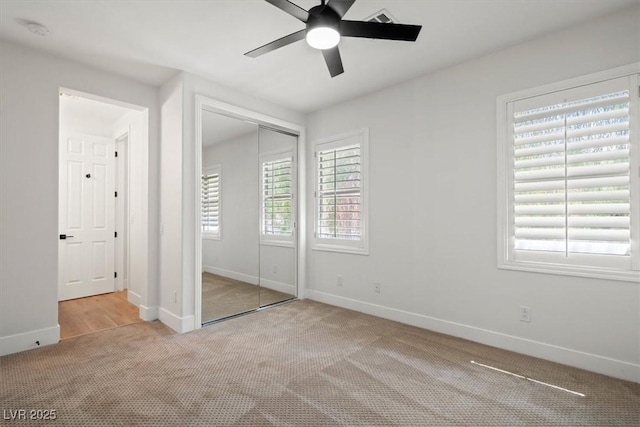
(203, 102)
(122, 211)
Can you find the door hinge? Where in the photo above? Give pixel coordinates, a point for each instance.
(116, 195)
(115, 234)
(115, 274)
(116, 154)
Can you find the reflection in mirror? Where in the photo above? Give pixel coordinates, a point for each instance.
(230, 217)
(278, 165)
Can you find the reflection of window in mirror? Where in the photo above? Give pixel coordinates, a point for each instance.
(211, 189)
(277, 198)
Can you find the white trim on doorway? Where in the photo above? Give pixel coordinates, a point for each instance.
(122, 211)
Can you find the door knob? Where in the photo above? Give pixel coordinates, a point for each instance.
(88, 175)
(64, 237)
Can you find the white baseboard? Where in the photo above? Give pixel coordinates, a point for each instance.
(590, 362)
(278, 286)
(177, 323)
(253, 280)
(27, 340)
(148, 313)
(145, 313)
(134, 298)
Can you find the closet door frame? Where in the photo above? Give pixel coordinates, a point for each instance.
(215, 106)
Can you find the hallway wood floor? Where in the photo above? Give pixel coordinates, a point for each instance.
(96, 313)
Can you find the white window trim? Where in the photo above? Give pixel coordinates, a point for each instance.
(359, 247)
(207, 170)
(505, 183)
(268, 239)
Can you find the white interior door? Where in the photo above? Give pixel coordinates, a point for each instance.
(86, 257)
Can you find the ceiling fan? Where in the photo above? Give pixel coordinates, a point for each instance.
(325, 26)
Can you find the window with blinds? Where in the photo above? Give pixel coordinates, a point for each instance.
(571, 199)
(571, 179)
(277, 197)
(210, 214)
(339, 192)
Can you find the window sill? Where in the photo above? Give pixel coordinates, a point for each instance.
(557, 269)
(340, 249)
(281, 244)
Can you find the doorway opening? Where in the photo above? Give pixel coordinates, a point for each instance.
(94, 216)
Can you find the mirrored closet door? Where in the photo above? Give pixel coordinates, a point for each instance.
(248, 216)
(230, 254)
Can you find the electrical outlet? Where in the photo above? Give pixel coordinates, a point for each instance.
(525, 314)
(275, 269)
(339, 280)
(376, 288)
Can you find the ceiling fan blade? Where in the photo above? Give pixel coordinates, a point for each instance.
(276, 44)
(340, 6)
(333, 60)
(378, 30)
(290, 8)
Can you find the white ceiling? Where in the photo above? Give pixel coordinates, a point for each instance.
(149, 40)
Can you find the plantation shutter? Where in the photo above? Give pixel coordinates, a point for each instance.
(277, 197)
(338, 193)
(211, 202)
(571, 175)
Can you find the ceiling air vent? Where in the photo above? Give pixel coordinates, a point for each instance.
(383, 16)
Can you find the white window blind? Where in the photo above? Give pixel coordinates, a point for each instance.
(571, 179)
(339, 193)
(277, 197)
(571, 194)
(210, 216)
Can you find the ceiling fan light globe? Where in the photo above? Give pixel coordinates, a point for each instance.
(323, 38)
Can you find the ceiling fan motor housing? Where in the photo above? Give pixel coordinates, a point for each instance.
(323, 16)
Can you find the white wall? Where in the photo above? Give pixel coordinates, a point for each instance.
(171, 110)
(433, 210)
(236, 254)
(29, 172)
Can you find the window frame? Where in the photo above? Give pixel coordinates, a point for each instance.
(505, 181)
(271, 239)
(213, 235)
(361, 246)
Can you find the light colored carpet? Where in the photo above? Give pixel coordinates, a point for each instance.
(224, 297)
(303, 364)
